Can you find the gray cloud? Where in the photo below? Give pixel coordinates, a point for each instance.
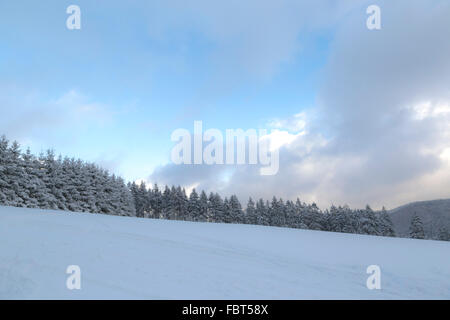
(378, 149)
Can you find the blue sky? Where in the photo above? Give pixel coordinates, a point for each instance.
(114, 91)
(147, 85)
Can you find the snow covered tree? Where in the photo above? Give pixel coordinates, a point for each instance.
(217, 208)
(369, 222)
(416, 230)
(203, 214)
(155, 202)
(262, 213)
(34, 185)
(277, 213)
(142, 200)
(312, 217)
(182, 202)
(15, 177)
(194, 210)
(250, 212)
(444, 234)
(387, 227)
(3, 180)
(226, 216)
(235, 210)
(53, 183)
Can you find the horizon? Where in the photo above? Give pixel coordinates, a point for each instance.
(242, 201)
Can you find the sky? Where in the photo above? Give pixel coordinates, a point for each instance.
(358, 116)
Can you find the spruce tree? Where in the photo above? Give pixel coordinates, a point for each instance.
(416, 230)
(262, 212)
(235, 210)
(250, 212)
(444, 234)
(386, 223)
(203, 213)
(194, 210)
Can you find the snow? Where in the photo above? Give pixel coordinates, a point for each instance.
(137, 258)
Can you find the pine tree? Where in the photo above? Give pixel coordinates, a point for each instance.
(274, 212)
(33, 184)
(52, 182)
(370, 224)
(182, 203)
(3, 180)
(312, 217)
(217, 208)
(126, 205)
(300, 212)
(262, 212)
(15, 177)
(444, 234)
(278, 213)
(166, 203)
(386, 223)
(416, 230)
(194, 210)
(142, 200)
(235, 210)
(154, 200)
(226, 213)
(203, 214)
(250, 212)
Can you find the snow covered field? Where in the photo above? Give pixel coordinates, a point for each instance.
(135, 258)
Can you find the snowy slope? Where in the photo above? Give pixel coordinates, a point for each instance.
(123, 257)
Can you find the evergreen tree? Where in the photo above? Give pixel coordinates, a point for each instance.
(167, 203)
(416, 230)
(386, 224)
(194, 210)
(17, 177)
(217, 208)
(4, 187)
(142, 200)
(156, 202)
(444, 234)
(262, 212)
(33, 184)
(235, 210)
(203, 213)
(370, 224)
(312, 217)
(226, 212)
(251, 216)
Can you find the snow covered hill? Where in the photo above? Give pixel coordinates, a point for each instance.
(123, 257)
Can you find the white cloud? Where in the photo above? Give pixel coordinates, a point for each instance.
(381, 126)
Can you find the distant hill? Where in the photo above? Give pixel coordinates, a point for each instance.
(433, 214)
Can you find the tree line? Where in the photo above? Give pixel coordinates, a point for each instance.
(49, 182)
(173, 203)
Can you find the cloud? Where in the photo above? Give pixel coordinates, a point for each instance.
(245, 39)
(379, 132)
(29, 113)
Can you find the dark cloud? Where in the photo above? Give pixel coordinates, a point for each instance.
(367, 142)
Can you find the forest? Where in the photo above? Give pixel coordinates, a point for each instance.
(49, 182)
